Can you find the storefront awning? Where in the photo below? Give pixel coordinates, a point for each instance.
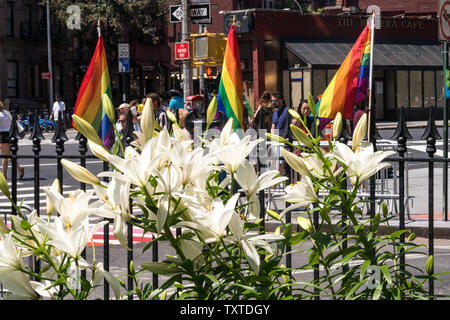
(332, 54)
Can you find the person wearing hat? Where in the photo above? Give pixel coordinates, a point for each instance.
(176, 101)
(59, 107)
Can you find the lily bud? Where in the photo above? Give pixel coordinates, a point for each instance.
(337, 125)
(304, 223)
(301, 136)
(294, 114)
(108, 107)
(86, 129)
(312, 103)
(55, 187)
(147, 120)
(360, 131)
(79, 173)
(276, 138)
(171, 116)
(98, 150)
(211, 112)
(4, 186)
(295, 162)
(429, 265)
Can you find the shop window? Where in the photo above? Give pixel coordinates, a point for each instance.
(12, 73)
(402, 89)
(271, 79)
(415, 89)
(429, 96)
(10, 19)
(319, 81)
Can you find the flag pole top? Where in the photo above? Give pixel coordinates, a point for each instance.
(99, 30)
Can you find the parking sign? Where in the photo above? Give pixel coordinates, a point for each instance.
(124, 57)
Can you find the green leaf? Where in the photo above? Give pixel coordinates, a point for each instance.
(160, 267)
(377, 292)
(387, 275)
(364, 268)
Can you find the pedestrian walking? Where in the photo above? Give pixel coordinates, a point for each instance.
(5, 126)
(59, 108)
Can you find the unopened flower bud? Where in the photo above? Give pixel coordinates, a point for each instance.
(86, 129)
(79, 173)
(360, 131)
(337, 125)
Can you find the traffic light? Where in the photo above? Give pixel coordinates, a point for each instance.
(208, 48)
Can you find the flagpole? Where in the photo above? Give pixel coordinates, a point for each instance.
(372, 34)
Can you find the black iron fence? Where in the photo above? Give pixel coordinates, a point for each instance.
(59, 139)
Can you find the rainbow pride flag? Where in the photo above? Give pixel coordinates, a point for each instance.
(230, 99)
(349, 85)
(89, 101)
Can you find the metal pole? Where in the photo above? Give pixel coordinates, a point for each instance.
(201, 68)
(187, 72)
(445, 132)
(49, 53)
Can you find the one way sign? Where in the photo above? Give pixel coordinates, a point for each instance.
(200, 13)
(176, 14)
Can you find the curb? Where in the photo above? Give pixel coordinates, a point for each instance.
(441, 229)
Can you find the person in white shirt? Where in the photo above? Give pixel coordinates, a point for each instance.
(59, 107)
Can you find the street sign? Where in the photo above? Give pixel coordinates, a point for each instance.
(176, 14)
(124, 57)
(182, 50)
(201, 12)
(444, 20)
(45, 75)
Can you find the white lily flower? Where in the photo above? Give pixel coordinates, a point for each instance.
(211, 222)
(192, 163)
(10, 259)
(363, 162)
(136, 168)
(234, 153)
(71, 209)
(251, 184)
(114, 204)
(19, 285)
(100, 273)
(316, 166)
(71, 240)
(249, 244)
(301, 194)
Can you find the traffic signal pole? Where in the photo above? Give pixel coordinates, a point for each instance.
(187, 70)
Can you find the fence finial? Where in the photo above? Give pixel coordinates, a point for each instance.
(59, 130)
(36, 132)
(431, 130)
(402, 128)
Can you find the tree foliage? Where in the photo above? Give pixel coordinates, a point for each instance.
(126, 19)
